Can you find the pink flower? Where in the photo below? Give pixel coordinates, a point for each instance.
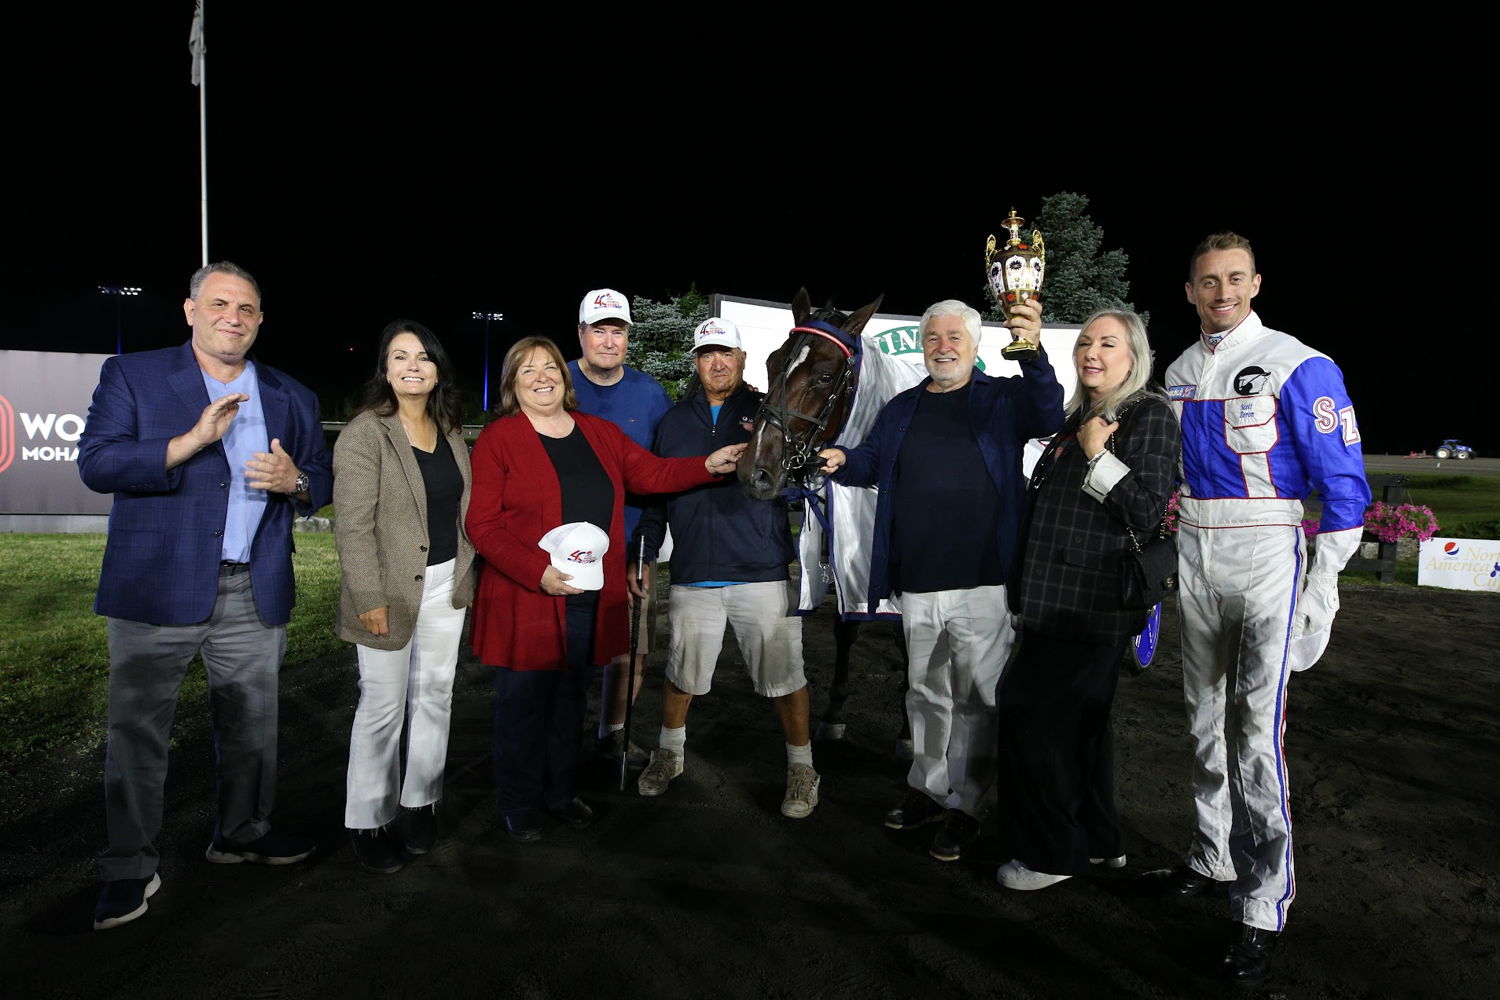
(1393, 523)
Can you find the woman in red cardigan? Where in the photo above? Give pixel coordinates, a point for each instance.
(542, 465)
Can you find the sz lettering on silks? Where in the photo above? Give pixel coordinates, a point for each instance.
(1327, 416)
(1181, 392)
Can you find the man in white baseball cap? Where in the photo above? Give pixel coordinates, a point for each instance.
(729, 565)
(633, 401)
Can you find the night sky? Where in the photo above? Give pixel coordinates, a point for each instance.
(368, 166)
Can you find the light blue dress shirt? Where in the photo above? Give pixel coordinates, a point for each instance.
(245, 437)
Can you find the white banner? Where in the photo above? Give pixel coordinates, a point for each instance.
(1460, 564)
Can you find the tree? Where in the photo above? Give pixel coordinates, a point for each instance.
(1081, 277)
(661, 338)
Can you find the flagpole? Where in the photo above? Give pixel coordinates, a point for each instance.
(199, 50)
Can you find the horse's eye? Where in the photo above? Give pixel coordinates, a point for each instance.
(825, 378)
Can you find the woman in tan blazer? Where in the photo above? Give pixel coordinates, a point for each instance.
(400, 493)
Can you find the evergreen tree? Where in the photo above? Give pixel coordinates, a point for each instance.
(661, 338)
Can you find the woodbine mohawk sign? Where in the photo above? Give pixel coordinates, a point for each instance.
(44, 401)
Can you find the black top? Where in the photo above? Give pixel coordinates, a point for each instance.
(1069, 584)
(587, 493)
(946, 505)
(445, 488)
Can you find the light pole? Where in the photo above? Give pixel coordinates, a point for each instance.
(488, 318)
(119, 293)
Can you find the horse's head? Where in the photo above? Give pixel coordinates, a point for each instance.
(812, 379)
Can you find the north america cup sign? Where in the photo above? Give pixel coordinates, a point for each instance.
(44, 402)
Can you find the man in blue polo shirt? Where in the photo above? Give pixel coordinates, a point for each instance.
(635, 402)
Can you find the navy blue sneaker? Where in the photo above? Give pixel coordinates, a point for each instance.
(270, 849)
(123, 900)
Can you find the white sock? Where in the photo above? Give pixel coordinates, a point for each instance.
(673, 739)
(799, 755)
(614, 727)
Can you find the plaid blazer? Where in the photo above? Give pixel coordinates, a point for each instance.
(161, 563)
(1068, 582)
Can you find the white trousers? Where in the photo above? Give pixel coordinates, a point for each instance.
(413, 686)
(958, 642)
(1237, 594)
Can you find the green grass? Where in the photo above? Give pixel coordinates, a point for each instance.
(54, 656)
(54, 660)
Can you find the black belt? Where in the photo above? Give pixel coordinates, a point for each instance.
(230, 566)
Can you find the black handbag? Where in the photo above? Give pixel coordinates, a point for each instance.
(1148, 573)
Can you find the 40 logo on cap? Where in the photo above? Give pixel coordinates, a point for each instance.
(577, 549)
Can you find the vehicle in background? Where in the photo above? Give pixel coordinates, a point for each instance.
(1453, 448)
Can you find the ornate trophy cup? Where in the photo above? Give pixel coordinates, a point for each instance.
(1015, 274)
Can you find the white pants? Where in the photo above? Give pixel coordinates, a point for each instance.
(1238, 593)
(957, 642)
(411, 685)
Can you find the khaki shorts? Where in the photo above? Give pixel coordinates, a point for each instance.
(769, 635)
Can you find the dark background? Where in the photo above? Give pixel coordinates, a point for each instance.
(365, 166)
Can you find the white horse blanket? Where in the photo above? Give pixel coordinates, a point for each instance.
(850, 510)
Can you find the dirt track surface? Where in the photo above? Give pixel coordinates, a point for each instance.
(1394, 749)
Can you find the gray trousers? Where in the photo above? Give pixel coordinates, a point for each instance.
(146, 666)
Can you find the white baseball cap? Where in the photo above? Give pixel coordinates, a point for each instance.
(716, 332)
(604, 303)
(578, 550)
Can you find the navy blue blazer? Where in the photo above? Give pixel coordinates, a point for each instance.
(161, 563)
(1005, 413)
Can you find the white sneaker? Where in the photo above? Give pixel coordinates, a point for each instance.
(1014, 875)
(662, 768)
(801, 791)
(1118, 862)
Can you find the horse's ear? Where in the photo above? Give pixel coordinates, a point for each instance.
(774, 364)
(860, 317)
(801, 307)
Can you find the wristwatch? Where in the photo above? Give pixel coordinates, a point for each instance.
(301, 484)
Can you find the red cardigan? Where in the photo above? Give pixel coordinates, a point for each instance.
(516, 499)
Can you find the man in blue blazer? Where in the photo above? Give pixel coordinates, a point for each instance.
(946, 455)
(208, 455)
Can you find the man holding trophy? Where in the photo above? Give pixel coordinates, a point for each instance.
(946, 455)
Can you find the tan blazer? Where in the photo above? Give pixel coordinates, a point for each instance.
(380, 526)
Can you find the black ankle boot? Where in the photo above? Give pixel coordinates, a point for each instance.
(375, 850)
(421, 828)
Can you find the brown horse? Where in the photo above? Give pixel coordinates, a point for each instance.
(813, 377)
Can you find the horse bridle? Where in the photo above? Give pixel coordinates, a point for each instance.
(799, 450)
